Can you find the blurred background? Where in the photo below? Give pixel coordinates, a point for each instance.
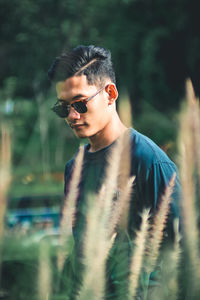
(155, 46)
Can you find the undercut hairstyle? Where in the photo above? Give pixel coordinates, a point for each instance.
(92, 61)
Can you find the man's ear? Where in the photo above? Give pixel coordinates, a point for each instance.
(112, 92)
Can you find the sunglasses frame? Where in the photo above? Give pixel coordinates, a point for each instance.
(62, 108)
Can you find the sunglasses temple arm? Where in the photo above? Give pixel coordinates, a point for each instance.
(90, 98)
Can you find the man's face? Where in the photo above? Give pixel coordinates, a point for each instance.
(98, 115)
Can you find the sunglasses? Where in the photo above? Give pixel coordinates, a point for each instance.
(62, 108)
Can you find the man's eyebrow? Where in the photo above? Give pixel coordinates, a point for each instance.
(79, 96)
(74, 98)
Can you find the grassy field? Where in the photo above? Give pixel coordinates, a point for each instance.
(44, 269)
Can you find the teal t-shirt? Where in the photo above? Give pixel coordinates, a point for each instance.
(152, 169)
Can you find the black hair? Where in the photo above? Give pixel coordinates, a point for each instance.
(92, 61)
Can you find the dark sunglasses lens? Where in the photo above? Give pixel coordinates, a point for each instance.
(61, 110)
(80, 107)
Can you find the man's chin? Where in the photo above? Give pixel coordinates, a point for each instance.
(84, 131)
(81, 134)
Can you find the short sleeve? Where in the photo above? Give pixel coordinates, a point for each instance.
(151, 187)
(155, 180)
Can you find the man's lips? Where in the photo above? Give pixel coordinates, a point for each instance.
(76, 126)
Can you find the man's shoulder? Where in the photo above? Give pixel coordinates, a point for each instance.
(69, 167)
(146, 152)
(69, 164)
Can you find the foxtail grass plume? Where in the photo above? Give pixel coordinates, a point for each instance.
(111, 177)
(68, 211)
(97, 241)
(174, 263)
(125, 182)
(44, 276)
(5, 176)
(96, 247)
(194, 125)
(171, 259)
(138, 254)
(119, 214)
(125, 161)
(101, 221)
(157, 230)
(124, 109)
(189, 147)
(117, 181)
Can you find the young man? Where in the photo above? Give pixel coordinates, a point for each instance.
(87, 94)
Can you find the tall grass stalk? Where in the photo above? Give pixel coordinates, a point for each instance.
(111, 178)
(174, 263)
(68, 211)
(5, 176)
(125, 183)
(124, 109)
(102, 218)
(194, 125)
(158, 226)
(96, 247)
(119, 212)
(138, 255)
(189, 145)
(44, 276)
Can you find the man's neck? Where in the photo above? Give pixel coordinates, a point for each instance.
(108, 135)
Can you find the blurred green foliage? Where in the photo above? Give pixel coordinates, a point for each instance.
(155, 44)
(155, 47)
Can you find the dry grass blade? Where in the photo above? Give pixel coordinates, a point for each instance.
(111, 177)
(5, 177)
(174, 263)
(124, 109)
(189, 145)
(138, 255)
(125, 161)
(96, 247)
(192, 115)
(99, 229)
(194, 126)
(44, 276)
(69, 208)
(118, 180)
(159, 223)
(119, 215)
(97, 243)
(125, 183)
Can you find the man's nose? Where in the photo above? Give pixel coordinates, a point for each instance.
(73, 114)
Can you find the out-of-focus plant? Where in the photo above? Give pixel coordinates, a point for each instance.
(179, 272)
(5, 178)
(5, 175)
(189, 145)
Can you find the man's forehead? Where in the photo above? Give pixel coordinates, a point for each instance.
(73, 84)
